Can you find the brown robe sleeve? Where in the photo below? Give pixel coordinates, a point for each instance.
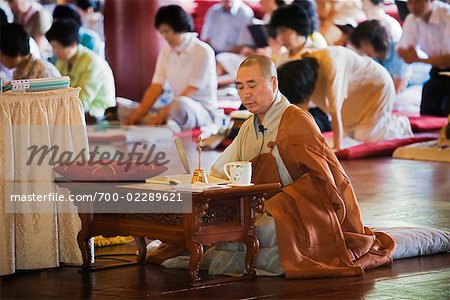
(318, 222)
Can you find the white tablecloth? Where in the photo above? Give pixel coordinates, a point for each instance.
(36, 239)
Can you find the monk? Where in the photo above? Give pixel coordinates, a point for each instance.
(318, 223)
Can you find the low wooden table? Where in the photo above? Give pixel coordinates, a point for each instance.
(217, 215)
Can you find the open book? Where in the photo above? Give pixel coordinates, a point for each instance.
(198, 187)
(183, 179)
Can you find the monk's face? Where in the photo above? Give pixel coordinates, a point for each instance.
(256, 91)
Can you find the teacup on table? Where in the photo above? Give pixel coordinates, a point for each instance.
(239, 173)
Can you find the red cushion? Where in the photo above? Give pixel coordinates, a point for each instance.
(426, 123)
(229, 110)
(391, 9)
(109, 171)
(385, 148)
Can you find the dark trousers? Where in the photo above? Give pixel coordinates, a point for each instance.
(436, 94)
(321, 119)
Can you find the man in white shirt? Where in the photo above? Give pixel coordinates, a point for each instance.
(188, 66)
(428, 27)
(225, 26)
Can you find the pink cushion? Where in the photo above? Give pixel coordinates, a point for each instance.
(195, 132)
(425, 123)
(385, 148)
(328, 134)
(109, 171)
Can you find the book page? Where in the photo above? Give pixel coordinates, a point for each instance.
(183, 178)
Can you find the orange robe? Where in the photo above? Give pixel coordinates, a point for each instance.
(318, 223)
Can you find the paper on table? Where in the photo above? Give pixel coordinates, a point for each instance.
(198, 187)
(183, 178)
(148, 186)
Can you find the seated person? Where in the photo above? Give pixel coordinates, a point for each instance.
(318, 222)
(188, 66)
(269, 7)
(278, 53)
(310, 7)
(86, 69)
(91, 16)
(427, 27)
(293, 27)
(88, 38)
(15, 53)
(355, 91)
(372, 39)
(333, 12)
(35, 20)
(7, 73)
(225, 26)
(296, 80)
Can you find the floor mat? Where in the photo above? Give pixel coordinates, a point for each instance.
(428, 151)
(385, 148)
(426, 123)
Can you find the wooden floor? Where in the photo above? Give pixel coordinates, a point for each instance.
(390, 192)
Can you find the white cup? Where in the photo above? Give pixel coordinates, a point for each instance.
(240, 172)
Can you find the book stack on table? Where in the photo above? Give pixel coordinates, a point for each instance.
(36, 85)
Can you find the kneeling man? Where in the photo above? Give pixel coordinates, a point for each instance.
(318, 222)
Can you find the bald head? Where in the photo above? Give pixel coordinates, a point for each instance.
(266, 65)
(257, 84)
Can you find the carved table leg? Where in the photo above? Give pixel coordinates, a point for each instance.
(252, 249)
(83, 240)
(194, 263)
(142, 247)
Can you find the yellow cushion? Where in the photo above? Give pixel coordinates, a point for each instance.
(100, 241)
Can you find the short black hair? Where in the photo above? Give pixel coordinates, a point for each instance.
(64, 32)
(311, 8)
(297, 79)
(174, 16)
(67, 12)
(293, 17)
(373, 32)
(376, 2)
(14, 40)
